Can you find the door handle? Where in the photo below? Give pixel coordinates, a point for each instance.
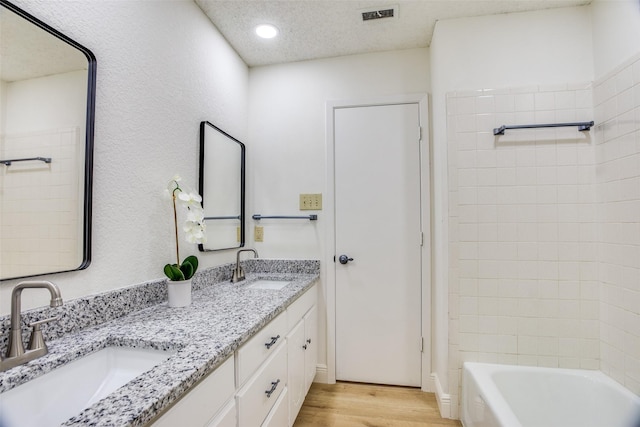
(344, 259)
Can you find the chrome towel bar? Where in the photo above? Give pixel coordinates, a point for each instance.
(258, 217)
(221, 217)
(9, 161)
(582, 126)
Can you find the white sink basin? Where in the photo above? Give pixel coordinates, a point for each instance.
(269, 284)
(55, 397)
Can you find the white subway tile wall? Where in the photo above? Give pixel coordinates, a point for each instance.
(523, 281)
(38, 193)
(617, 112)
(545, 228)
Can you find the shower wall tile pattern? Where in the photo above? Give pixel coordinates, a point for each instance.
(35, 192)
(617, 112)
(523, 208)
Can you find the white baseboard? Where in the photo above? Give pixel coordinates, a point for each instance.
(322, 374)
(443, 399)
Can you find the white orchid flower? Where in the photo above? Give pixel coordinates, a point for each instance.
(194, 227)
(195, 215)
(194, 232)
(190, 199)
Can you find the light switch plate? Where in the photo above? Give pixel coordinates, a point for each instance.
(258, 233)
(311, 202)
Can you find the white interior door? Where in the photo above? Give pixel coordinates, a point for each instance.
(377, 224)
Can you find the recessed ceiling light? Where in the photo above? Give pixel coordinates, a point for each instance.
(266, 31)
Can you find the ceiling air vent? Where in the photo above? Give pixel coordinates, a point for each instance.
(386, 12)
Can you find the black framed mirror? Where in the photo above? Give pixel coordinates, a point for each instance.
(222, 187)
(47, 93)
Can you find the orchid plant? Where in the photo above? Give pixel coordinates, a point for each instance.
(194, 229)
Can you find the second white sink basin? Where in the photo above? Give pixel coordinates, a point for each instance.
(55, 397)
(269, 284)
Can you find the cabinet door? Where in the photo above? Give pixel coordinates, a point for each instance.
(296, 373)
(311, 349)
(226, 417)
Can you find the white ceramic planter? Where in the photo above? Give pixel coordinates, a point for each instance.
(179, 293)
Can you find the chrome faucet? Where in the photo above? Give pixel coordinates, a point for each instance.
(16, 354)
(238, 273)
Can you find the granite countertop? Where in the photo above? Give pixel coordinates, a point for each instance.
(221, 317)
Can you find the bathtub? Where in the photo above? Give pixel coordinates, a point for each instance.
(520, 396)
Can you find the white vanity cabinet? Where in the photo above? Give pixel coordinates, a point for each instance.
(301, 349)
(296, 372)
(264, 384)
(293, 364)
(310, 346)
(261, 372)
(208, 404)
(258, 396)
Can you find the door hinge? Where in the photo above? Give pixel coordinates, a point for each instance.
(421, 239)
(419, 133)
(421, 345)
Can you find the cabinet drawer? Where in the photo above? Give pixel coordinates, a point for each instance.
(257, 349)
(279, 415)
(297, 310)
(202, 402)
(226, 417)
(253, 401)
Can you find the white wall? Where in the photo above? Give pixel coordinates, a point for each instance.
(617, 100)
(287, 134)
(3, 104)
(46, 103)
(617, 107)
(616, 33)
(536, 48)
(162, 68)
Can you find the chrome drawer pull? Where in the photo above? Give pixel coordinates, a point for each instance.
(274, 385)
(273, 341)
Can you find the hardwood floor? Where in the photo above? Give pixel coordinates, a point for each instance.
(357, 405)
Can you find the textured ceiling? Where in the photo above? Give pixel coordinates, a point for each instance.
(311, 29)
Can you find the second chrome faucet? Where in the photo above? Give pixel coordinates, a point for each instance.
(238, 272)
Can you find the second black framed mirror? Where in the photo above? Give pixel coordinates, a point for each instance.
(222, 187)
